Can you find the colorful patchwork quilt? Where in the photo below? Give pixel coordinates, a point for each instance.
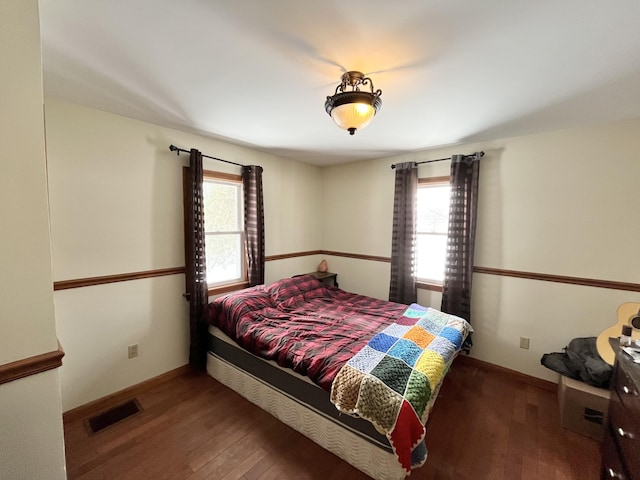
(394, 379)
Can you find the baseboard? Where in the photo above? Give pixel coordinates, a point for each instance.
(517, 376)
(101, 404)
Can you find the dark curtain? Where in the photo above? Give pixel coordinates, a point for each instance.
(402, 288)
(196, 268)
(254, 223)
(456, 294)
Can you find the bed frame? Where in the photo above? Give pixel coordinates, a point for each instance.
(340, 434)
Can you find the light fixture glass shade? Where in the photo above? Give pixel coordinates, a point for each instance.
(353, 115)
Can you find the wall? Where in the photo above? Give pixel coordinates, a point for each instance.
(31, 439)
(562, 203)
(116, 207)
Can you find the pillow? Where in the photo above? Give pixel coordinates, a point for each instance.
(295, 290)
(226, 310)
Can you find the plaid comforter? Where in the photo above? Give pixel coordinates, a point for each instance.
(394, 379)
(302, 325)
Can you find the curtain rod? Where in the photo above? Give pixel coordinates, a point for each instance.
(173, 148)
(476, 156)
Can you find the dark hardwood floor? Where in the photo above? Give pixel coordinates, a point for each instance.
(485, 425)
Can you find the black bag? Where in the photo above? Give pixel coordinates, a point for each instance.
(580, 361)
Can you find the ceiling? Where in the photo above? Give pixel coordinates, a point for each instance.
(257, 72)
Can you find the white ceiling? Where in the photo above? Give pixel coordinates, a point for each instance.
(257, 72)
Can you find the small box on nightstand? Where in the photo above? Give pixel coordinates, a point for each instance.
(583, 408)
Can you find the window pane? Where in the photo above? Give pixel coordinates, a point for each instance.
(222, 204)
(433, 209)
(431, 253)
(224, 257)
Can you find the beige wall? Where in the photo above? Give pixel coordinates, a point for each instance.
(563, 203)
(116, 207)
(26, 318)
(32, 443)
(31, 439)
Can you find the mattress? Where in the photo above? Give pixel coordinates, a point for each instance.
(351, 439)
(298, 387)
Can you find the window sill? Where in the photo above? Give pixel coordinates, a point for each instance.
(223, 289)
(434, 287)
(228, 288)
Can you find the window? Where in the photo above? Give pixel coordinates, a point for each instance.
(224, 229)
(431, 229)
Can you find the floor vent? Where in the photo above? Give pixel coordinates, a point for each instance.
(114, 415)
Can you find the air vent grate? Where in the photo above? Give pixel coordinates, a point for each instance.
(114, 415)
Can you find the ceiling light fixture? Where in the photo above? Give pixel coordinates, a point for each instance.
(352, 109)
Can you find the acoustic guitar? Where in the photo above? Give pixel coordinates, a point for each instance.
(628, 314)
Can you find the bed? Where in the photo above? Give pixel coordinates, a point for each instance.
(355, 374)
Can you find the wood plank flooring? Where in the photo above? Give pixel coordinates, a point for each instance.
(485, 425)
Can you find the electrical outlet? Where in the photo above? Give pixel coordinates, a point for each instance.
(133, 351)
(524, 343)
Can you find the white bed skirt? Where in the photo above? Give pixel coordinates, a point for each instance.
(363, 455)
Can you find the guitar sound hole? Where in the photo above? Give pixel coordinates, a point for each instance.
(635, 321)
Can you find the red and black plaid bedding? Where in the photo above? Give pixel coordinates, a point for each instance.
(301, 324)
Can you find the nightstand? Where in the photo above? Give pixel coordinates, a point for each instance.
(327, 278)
